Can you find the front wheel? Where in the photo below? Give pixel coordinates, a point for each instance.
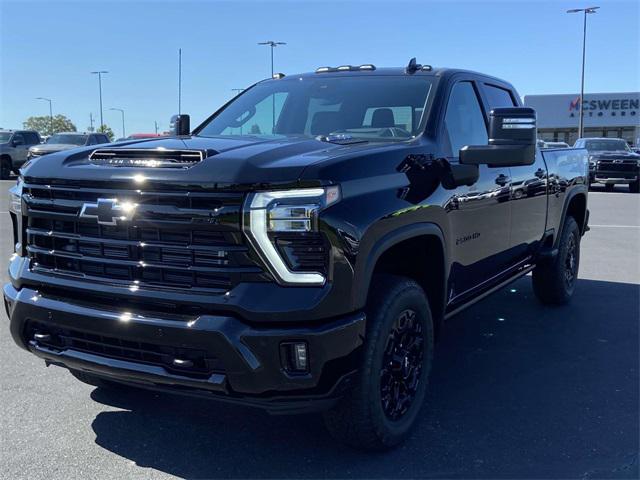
(554, 281)
(379, 411)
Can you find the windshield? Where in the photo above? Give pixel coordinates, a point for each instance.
(606, 145)
(4, 137)
(67, 138)
(381, 108)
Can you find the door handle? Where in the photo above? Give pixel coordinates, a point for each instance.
(502, 180)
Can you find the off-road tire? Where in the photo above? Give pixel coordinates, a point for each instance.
(360, 419)
(554, 281)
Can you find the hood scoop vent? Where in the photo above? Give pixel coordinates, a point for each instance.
(147, 158)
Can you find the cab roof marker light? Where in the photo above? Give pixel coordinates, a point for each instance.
(323, 69)
(278, 76)
(344, 67)
(367, 66)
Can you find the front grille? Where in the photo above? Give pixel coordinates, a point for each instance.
(201, 365)
(611, 166)
(180, 240)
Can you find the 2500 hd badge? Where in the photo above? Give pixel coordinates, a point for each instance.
(322, 284)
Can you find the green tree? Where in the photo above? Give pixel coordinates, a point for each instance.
(106, 129)
(255, 129)
(43, 124)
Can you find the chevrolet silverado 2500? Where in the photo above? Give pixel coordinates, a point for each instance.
(301, 249)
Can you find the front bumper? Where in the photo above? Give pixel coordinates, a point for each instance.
(612, 178)
(251, 371)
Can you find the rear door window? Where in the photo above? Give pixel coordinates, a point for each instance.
(498, 97)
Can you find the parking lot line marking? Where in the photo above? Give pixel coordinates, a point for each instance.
(615, 226)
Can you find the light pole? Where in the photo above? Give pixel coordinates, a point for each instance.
(273, 45)
(99, 73)
(122, 112)
(586, 11)
(50, 112)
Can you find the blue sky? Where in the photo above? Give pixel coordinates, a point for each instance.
(48, 49)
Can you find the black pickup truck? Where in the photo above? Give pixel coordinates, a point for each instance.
(611, 162)
(301, 249)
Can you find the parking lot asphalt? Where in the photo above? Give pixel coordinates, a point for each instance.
(518, 391)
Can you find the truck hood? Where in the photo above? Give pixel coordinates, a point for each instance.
(47, 148)
(613, 154)
(229, 161)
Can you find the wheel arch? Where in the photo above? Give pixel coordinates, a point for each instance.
(417, 251)
(576, 207)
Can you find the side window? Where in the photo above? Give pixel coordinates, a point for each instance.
(103, 139)
(498, 97)
(31, 138)
(18, 139)
(262, 120)
(92, 140)
(464, 122)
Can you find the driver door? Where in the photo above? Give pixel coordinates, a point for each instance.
(480, 214)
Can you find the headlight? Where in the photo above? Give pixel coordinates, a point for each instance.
(15, 198)
(291, 213)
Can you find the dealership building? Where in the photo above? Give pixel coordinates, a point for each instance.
(615, 115)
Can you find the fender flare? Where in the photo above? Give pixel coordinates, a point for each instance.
(577, 190)
(364, 273)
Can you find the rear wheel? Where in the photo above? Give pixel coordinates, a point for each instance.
(5, 168)
(554, 281)
(383, 405)
(634, 187)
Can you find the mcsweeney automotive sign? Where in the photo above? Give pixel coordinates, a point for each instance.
(600, 109)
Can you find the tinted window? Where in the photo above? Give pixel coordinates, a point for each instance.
(102, 139)
(31, 138)
(18, 139)
(377, 107)
(464, 121)
(606, 145)
(68, 138)
(498, 97)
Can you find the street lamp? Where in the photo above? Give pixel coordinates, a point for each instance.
(586, 11)
(122, 113)
(99, 73)
(273, 45)
(50, 111)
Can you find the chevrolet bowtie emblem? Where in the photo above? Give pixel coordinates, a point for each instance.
(107, 211)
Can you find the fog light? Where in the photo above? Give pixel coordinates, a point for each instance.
(295, 357)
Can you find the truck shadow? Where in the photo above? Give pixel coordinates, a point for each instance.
(518, 390)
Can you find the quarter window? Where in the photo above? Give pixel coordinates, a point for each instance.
(464, 121)
(498, 97)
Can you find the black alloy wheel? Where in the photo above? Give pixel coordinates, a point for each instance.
(401, 371)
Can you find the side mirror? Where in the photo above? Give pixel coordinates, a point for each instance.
(180, 125)
(512, 140)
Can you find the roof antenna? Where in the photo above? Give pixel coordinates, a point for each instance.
(413, 66)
